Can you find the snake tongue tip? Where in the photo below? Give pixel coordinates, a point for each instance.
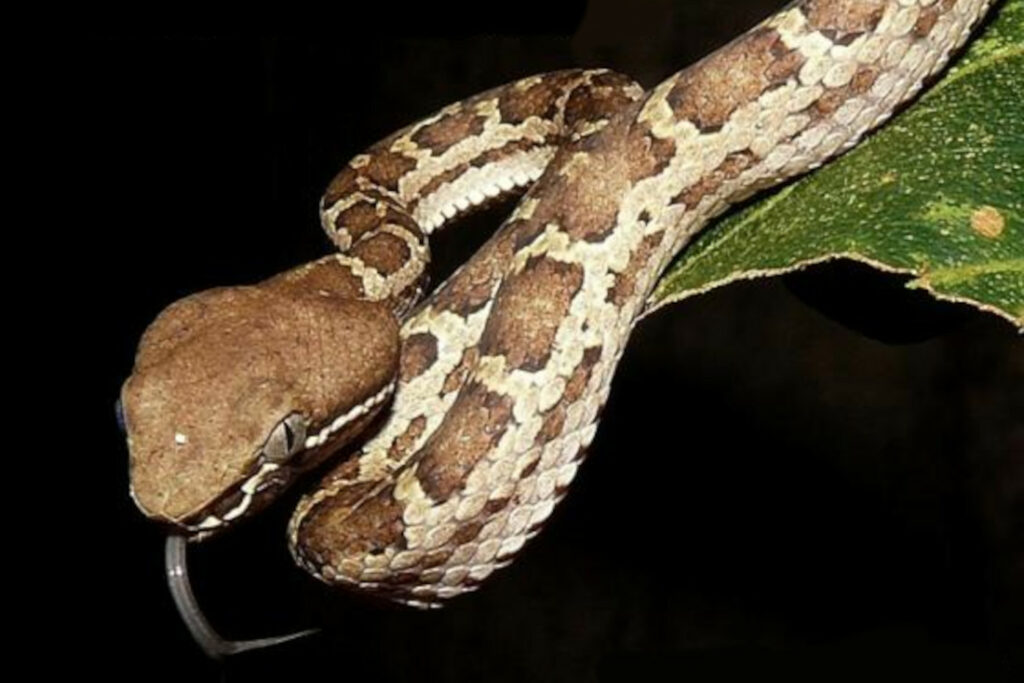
(211, 642)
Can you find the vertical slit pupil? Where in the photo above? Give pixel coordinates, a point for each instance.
(289, 436)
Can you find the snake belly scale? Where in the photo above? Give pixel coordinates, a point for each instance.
(503, 370)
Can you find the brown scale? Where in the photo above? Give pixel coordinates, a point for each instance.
(375, 524)
(539, 99)
(368, 215)
(509, 149)
(435, 558)
(833, 98)
(625, 281)
(449, 130)
(842, 17)
(383, 252)
(554, 419)
(419, 351)
(445, 178)
(457, 377)
(528, 309)
(731, 168)
(387, 168)
(473, 426)
(926, 20)
(466, 532)
(472, 285)
(734, 76)
(342, 185)
(588, 211)
(607, 96)
(496, 505)
(404, 442)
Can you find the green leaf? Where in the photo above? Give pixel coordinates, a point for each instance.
(938, 194)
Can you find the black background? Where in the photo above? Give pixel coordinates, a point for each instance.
(771, 489)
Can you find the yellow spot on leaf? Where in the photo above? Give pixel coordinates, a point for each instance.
(988, 222)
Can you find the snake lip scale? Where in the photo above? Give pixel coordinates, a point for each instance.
(494, 383)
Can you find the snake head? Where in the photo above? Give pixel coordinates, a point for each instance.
(236, 390)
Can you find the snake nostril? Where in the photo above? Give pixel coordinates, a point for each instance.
(119, 416)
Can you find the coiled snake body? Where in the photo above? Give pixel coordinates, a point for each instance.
(502, 371)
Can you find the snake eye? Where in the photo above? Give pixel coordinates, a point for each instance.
(295, 427)
(287, 439)
(119, 416)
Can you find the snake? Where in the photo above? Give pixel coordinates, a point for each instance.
(456, 423)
